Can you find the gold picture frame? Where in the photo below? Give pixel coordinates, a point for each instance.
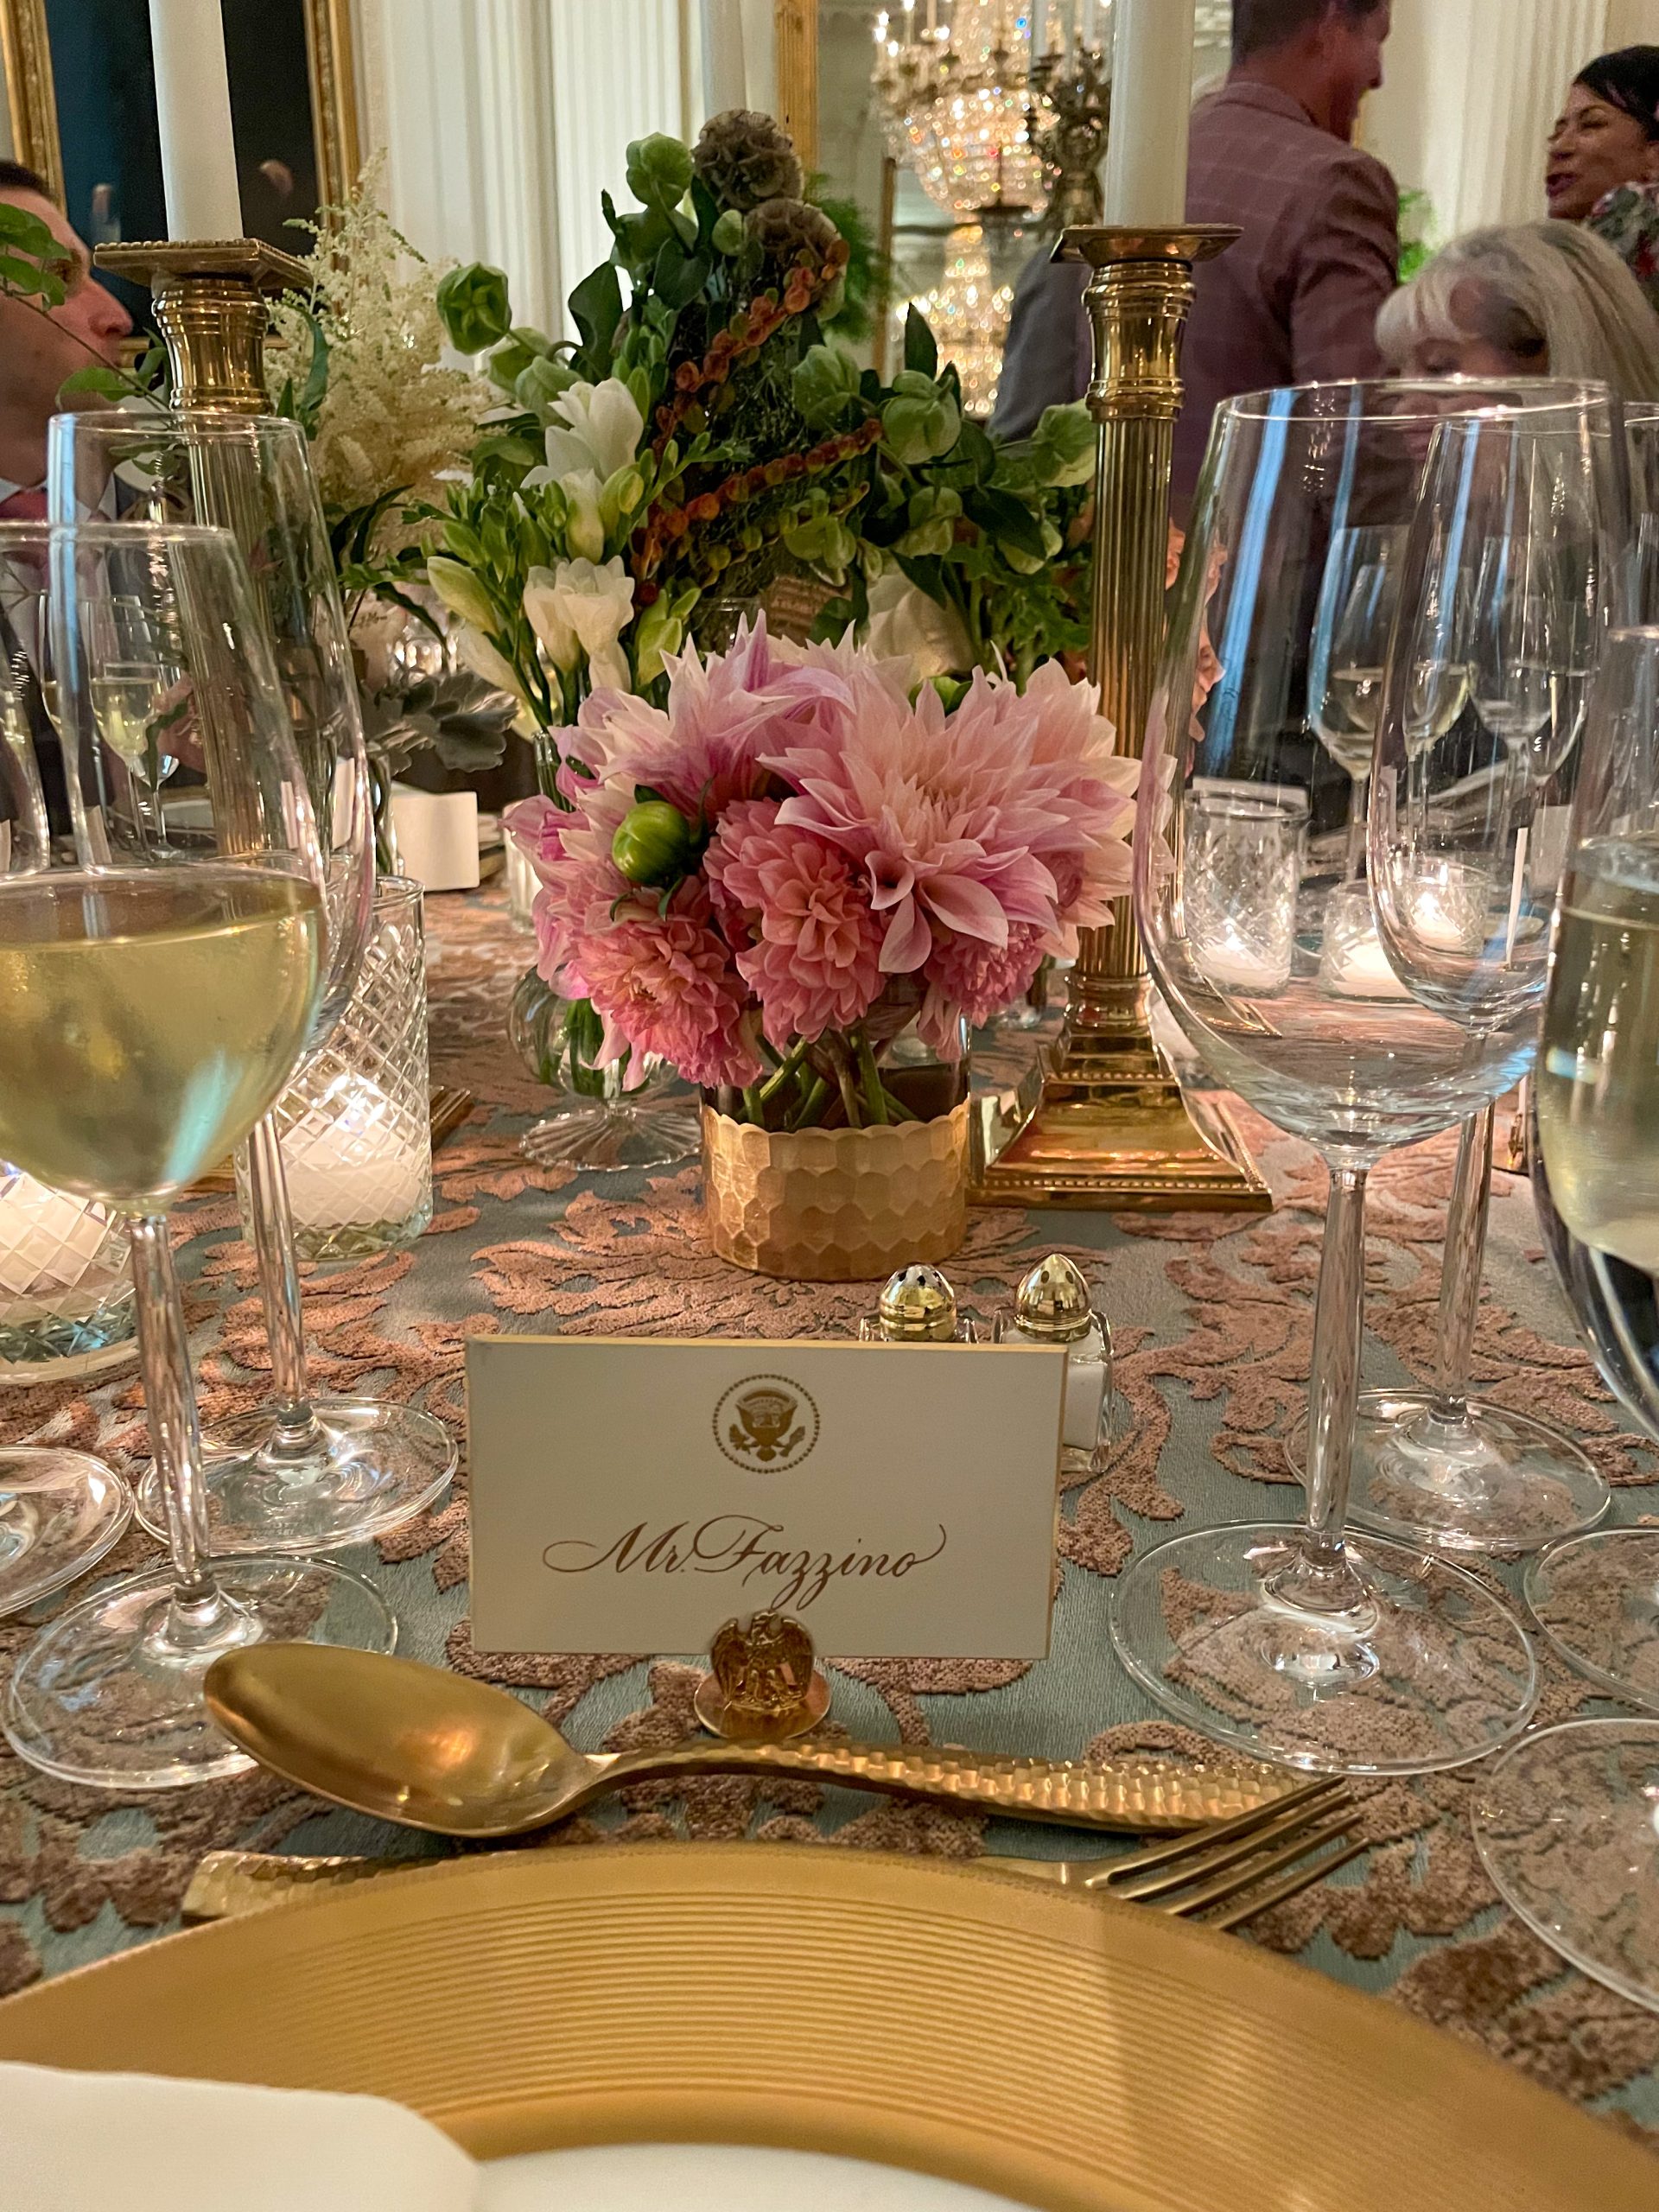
(32, 103)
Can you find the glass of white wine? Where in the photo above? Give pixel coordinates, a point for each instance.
(306, 1473)
(1566, 1824)
(158, 981)
(1352, 624)
(1300, 1641)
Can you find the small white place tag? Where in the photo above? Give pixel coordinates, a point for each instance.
(631, 1494)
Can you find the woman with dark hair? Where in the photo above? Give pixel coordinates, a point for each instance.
(1603, 167)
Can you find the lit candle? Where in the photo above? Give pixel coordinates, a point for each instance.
(49, 1244)
(1152, 97)
(192, 106)
(722, 55)
(1232, 963)
(351, 1162)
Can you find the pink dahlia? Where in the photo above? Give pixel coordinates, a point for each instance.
(813, 954)
(969, 981)
(703, 750)
(962, 825)
(666, 985)
(536, 826)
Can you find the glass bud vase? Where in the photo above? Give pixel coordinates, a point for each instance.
(356, 1127)
(66, 1291)
(629, 1114)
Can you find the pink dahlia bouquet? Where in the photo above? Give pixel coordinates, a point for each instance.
(767, 880)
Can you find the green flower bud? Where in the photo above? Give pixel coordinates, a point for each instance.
(462, 592)
(475, 307)
(826, 384)
(727, 233)
(659, 170)
(653, 842)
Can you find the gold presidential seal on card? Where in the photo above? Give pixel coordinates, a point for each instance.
(630, 1495)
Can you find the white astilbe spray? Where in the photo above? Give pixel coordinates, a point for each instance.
(392, 415)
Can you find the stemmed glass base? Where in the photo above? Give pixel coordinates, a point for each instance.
(110, 1693)
(1597, 1599)
(1395, 1663)
(61, 1512)
(352, 1470)
(1491, 1481)
(606, 1135)
(1565, 1827)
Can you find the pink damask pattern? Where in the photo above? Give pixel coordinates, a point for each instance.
(1227, 1334)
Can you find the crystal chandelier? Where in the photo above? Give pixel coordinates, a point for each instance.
(954, 97)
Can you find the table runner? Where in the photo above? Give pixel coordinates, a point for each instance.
(1212, 1316)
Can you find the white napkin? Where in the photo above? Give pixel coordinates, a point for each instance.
(138, 2143)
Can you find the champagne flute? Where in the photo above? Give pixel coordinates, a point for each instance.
(157, 984)
(308, 1474)
(1295, 1642)
(1523, 558)
(1565, 1825)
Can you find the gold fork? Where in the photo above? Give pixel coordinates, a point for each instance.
(1224, 1865)
(1210, 1866)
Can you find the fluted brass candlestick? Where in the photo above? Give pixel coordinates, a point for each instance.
(212, 307)
(1113, 1129)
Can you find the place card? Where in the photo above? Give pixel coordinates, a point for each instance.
(632, 1494)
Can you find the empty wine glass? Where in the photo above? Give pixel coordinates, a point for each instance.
(1351, 628)
(306, 1474)
(1566, 1825)
(1290, 1641)
(1516, 587)
(158, 980)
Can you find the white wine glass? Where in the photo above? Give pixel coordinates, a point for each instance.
(62, 1512)
(1352, 624)
(1518, 559)
(1566, 1824)
(158, 980)
(306, 1473)
(1297, 1642)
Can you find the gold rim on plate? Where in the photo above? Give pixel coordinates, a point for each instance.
(1072, 2053)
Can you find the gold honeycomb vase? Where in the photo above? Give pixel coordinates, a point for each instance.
(836, 1206)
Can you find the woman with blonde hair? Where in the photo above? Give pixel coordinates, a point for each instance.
(1534, 299)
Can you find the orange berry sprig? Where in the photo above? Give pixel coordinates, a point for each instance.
(666, 523)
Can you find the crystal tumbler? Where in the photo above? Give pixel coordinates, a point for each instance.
(66, 1293)
(356, 1129)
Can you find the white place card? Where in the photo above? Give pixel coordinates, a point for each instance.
(632, 1494)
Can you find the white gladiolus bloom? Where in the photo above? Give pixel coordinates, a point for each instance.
(594, 426)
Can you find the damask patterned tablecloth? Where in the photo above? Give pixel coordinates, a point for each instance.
(1211, 1316)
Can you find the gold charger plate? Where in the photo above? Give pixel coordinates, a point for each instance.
(1072, 2053)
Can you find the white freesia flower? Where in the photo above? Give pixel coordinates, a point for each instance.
(584, 527)
(594, 426)
(544, 607)
(591, 603)
(474, 649)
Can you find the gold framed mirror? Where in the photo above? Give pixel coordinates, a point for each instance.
(297, 153)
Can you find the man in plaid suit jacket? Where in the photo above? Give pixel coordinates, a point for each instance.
(1296, 299)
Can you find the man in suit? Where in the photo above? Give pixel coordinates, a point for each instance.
(39, 349)
(1295, 300)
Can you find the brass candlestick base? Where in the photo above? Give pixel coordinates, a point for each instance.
(1113, 1129)
(211, 297)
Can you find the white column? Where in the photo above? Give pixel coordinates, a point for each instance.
(1472, 92)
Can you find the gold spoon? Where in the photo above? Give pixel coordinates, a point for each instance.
(432, 1750)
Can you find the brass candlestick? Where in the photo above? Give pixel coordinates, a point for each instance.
(1113, 1129)
(212, 309)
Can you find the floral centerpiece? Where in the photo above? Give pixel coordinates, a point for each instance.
(797, 857)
